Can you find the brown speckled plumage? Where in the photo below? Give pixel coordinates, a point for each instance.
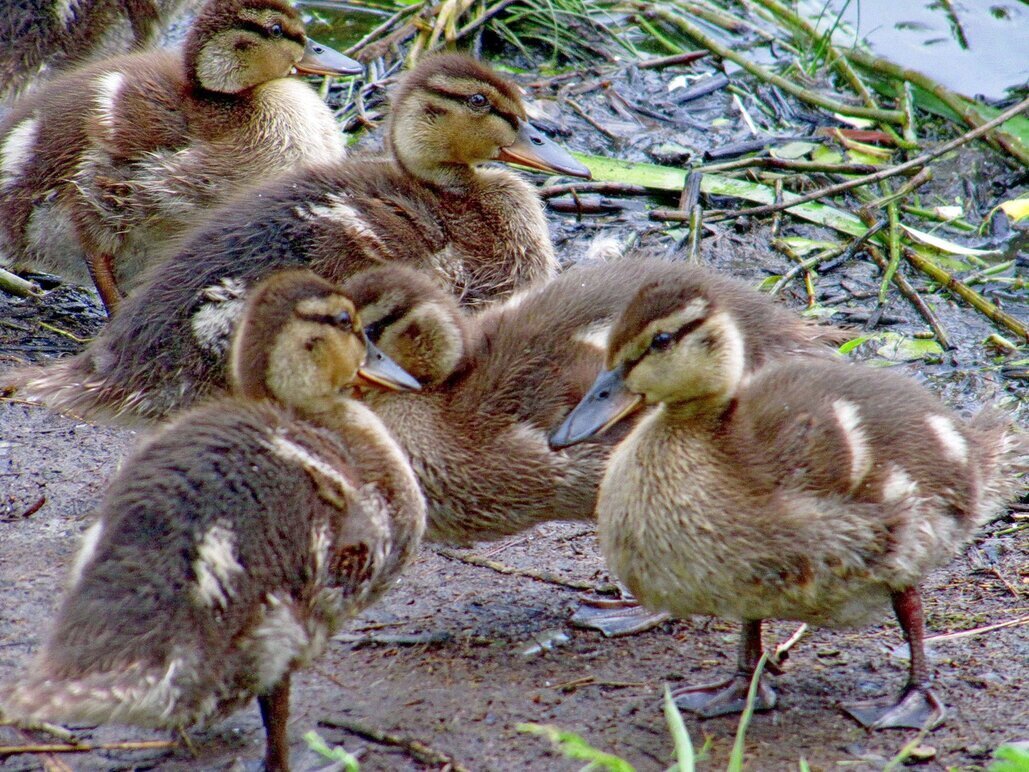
(812, 490)
(41, 37)
(108, 164)
(234, 542)
(480, 231)
(476, 433)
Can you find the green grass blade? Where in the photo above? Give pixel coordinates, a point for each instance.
(736, 757)
(685, 760)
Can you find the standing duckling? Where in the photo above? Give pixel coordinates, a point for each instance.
(481, 231)
(232, 545)
(810, 490)
(101, 168)
(43, 36)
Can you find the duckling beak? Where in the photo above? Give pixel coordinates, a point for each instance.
(606, 403)
(534, 149)
(380, 370)
(322, 60)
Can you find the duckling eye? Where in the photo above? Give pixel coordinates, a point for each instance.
(478, 101)
(275, 30)
(343, 321)
(661, 341)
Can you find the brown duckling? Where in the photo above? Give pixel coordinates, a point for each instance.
(43, 36)
(101, 168)
(811, 490)
(480, 230)
(232, 545)
(495, 383)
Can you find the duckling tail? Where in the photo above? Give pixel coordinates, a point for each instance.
(75, 385)
(138, 694)
(1005, 460)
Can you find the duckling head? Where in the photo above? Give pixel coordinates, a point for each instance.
(452, 113)
(300, 341)
(412, 319)
(673, 344)
(235, 45)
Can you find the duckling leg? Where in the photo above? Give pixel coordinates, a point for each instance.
(275, 714)
(731, 696)
(917, 707)
(624, 616)
(101, 271)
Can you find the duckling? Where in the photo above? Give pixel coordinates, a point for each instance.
(496, 382)
(101, 169)
(480, 230)
(810, 490)
(43, 36)
(232, 545)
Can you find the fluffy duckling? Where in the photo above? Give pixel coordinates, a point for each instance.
(231, 546)
(101, 168)
(810, 490)
(495, 383)
(429, 204)
(43, 36)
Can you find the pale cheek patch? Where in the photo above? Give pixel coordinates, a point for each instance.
(16, 150)
(954, 446)
(849, 419)
(215, 567)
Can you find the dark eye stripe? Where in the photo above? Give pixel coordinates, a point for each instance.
(332, 320)
(375, 329)
(678, 335)
(457, 96)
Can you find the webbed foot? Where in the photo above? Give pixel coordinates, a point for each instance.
(726, 697)
(917, 708)
(616, 618)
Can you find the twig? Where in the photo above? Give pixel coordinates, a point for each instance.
(541, 576)
(883, 174)
(686, 57)
(418, 750)
(914, 299)
(1024, 620)
(782, 651)
(589, 119)
(966, 293)
(616, 188)
(790, 165)
(65, 333)
(13, 750)
(15, 285)
(806, 95)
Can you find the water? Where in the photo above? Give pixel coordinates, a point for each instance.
(974, 47)
(340, 25)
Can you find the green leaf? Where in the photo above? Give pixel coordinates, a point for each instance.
(899, 348)
(1010, 758)
(667, 178)
(684, 757)
(574, 747)
(946, 246)
(335, 753)
(853, 343)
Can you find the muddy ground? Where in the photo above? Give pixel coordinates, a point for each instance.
(458, 655)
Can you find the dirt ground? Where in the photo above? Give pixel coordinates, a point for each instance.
(458, 655)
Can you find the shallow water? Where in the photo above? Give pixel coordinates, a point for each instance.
(971, 46)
